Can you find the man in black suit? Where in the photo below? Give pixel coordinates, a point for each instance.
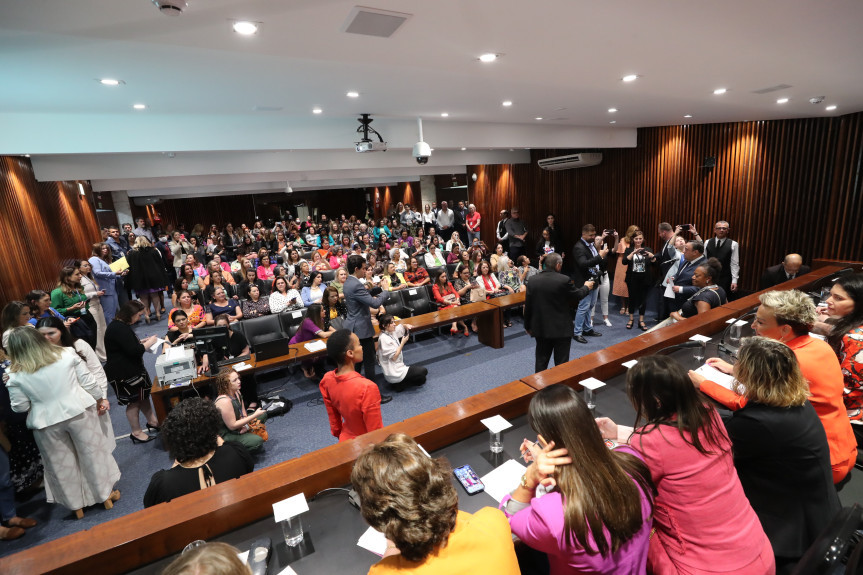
(693, 256)
(546, 311)
(666, 255)
(589, 261)
(791, 267)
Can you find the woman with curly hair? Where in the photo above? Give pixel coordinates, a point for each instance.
(410, 498)
(234, 426)
(201, 457)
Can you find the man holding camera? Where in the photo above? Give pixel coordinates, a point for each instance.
(590, 264)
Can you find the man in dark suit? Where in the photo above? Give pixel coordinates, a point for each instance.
(727, 251)
(693, 256)
(546, 311)
(589, 261)
(666, 255)
(791, 267)
(359, 319)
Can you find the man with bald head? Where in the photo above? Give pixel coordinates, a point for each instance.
(791, 267)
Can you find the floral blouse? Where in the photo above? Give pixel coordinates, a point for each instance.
(851, 360)
(256, 308)
(416, 277)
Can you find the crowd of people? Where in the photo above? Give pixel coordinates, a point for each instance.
(341, 272)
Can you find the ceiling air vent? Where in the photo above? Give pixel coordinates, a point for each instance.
(569, 162)
(374, 22)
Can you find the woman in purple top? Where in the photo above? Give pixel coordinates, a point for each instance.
(595, 515)
(312, 327)
(703, 521)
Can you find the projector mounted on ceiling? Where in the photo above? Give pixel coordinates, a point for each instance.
(366, 144)
(171, 7)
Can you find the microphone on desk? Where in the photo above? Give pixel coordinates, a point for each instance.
(676, 346)
(725, 348)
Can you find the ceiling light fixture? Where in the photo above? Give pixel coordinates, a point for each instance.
(139, 106)
(830, 108)
(612, 110)
(353, 94)
(538, 118)
(630, 78)
(720, 91)
(487, 58)
(463, 149)
(507, 103)
(687, 116)
(317, 111)
(613, 122)
(782, 101)
(444, 115)
(110, 82)
(245, 28)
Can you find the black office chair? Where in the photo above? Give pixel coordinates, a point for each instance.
(450, 269)
(266, 328)
(394, 304)
(238, 277)
(417, 301)
(826, 553)
(434, 273)
(328, 275)
(291, 321)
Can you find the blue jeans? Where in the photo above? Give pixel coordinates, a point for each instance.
(583, 321)
(7, 491)
(471, 236)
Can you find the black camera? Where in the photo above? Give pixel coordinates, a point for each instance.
(609, 232)
(596, 279)
(686, 227)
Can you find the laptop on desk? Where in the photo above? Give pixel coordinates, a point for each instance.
(273, 348)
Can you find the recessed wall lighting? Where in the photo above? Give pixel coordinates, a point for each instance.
(613, 122)
(612, 110)
(507, 103)
(110, 82)
(245, 28)
(782, 101)
(538, 118)
(139, 106)
(630, 78)
(687, 116)
(830, 108)
(444, 115)
(719, 91)
(463, 149)
(353, 94)
(489, 57)
(317, 111)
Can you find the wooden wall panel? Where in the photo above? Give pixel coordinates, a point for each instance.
(43, 224)
(386, 198)
(784, 186)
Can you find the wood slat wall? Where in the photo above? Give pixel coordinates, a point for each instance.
(43, 224)
(386, 197)
(784, 186)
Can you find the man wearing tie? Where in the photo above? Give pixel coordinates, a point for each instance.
(791, 267)
(666, 256)
(727, 251)
(589, 262)
(693, 256)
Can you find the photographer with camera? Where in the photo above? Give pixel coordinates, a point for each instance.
(591, 259)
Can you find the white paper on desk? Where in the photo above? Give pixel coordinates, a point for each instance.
(501, 481)
(156, 348)
(496, 423)
(629, 364)
(591, 383)
(699, 337)
(287, 571)
(669, 291)
(244, 557)
(716, 376)
(241, 366)
(317, 345)
(374, 541)
(732, 320)
(290, 507)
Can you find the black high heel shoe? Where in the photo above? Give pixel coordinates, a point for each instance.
(136, 440)
(155, 428)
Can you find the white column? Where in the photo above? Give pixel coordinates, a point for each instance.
(428, 192)
(122, 208)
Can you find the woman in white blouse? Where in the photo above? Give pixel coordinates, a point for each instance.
(455, 244)
(283, 298)
(487, 283)
(55, 386)
(398, 259)
(433, 258)
(390, 345)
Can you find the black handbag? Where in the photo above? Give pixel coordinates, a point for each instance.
(131, 389)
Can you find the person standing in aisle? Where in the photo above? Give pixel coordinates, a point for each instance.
(516, 233)
(727, 251)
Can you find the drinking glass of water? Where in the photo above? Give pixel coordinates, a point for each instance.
(700, 351)
(494, 441)
(292, 529)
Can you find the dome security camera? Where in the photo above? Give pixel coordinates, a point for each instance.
(171, 7)
(422, 153)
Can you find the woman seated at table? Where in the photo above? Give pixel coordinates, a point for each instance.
(234, 425)
(703, 521)
(777, 436)
(265, 269)
(492, 260)
(433, 257)
(255, 305)
(596, 514)
(282, 298)
(184, 335)
(335, 309)
(215, 280)
(411, 499)
(390, 345)
(194, 312)
(311, 328)
(201, 458)
(221, 305)
(415, 275)
(708, 296)
(314, 291)
(487, 284)
(392, 280)
(446, 296)
(464, 284)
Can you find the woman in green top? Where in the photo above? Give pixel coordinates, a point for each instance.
(235, 421)
(339, 282)
(69, 299)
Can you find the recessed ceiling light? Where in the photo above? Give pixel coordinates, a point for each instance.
(140, 106)
(507, 103)
(245, 28)
(353, 94)
(830, 108)
(111, 82)
(630, 78)
(782, 101)
(719, 91)
(488, 57)
(317, 111)
(613, 122)
(463, 149)
(444, 115)
(612, 110)
(538, 118)
(687, 116)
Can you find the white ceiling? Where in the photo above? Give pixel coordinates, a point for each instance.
(563, 60)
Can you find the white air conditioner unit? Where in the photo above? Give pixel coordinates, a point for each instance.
(568, 162)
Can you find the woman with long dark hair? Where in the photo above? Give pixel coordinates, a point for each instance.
(844, 311)
(638, 259)
(702, 519)
(15, 314)
(147, 276)
(69, 299)
(312, 327)
(596, 514)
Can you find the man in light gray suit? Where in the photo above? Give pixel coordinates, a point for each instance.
(359, 318)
